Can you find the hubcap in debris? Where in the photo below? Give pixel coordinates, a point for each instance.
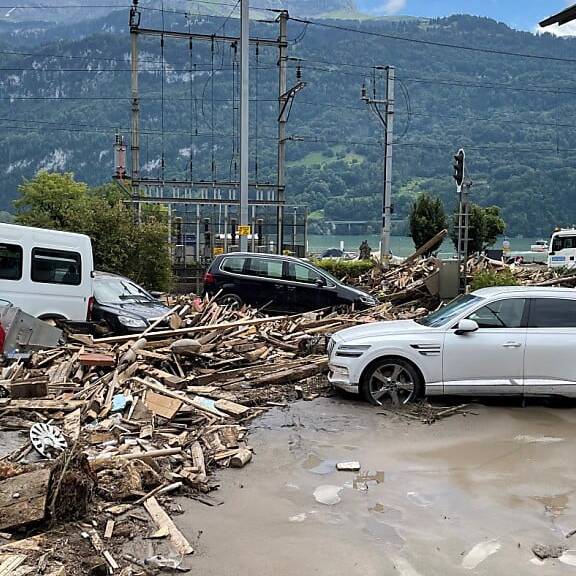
(48, 440)
(392, 382)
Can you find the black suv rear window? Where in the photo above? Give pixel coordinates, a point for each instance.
(265, 268)
(233, 264)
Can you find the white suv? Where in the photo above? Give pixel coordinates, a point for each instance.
(495, 341)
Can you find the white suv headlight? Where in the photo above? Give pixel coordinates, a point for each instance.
(351, 350)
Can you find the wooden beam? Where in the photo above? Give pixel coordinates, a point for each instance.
(193, 330)
(164, 522)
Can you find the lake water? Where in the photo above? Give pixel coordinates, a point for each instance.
(403, 245)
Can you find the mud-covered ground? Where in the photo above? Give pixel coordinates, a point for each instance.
(467, 495)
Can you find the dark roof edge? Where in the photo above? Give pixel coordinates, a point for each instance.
(561, 18)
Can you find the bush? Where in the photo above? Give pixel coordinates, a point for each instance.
(348, 268)
(488, 278)
(59, 202)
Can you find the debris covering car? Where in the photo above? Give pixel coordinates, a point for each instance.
(122, 305)
(279, 283)
(495, 341)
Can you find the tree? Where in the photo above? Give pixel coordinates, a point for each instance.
(427, 218)
(59, 202)
(485, 225)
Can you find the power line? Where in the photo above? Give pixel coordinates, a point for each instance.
(432, 42)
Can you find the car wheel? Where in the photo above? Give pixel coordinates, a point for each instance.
(391, 380)
(232, 300)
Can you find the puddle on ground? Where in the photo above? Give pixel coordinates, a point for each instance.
(383, 532)
(391, 513)
(327, 494)
(418, 499)
(363, 480)
(554, 505)
(479, 553)
(404, 567)
(317, 466)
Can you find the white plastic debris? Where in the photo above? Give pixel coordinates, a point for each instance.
(327, 494)
(348, 466)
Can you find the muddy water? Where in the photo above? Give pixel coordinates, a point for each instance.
(469, 495)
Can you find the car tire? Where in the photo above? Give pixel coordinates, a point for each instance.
(391, 380)
(232, 300)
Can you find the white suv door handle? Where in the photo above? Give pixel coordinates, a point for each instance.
(512, 345)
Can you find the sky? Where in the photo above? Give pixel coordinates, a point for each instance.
(519, 14)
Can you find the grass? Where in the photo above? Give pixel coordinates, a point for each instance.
(320, 159)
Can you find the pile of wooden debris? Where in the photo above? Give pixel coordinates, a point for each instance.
(130, 419)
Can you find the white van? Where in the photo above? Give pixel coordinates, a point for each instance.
(46, 273)
(562, 249)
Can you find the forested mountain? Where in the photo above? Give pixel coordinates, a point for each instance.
(62, 100)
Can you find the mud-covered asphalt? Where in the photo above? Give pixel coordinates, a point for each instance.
(467, 495)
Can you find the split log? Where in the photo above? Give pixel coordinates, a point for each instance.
(164, 522)
(241, 458)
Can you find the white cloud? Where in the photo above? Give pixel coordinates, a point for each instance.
(390, 7)
(564, 30)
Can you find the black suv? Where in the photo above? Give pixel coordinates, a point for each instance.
(279, 284)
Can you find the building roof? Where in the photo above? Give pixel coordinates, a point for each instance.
(563, 17)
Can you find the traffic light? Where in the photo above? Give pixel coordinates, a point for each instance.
(459, 167)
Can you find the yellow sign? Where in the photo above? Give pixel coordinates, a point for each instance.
(217, 250)
(244, 230)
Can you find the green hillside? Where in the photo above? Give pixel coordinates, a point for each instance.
(513, 115)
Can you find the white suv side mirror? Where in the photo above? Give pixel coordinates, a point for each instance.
(466, 326)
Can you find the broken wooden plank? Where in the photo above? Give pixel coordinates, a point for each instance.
(9, 563)
(23, 498)
(109, 529)
(162, 405)
(164, 522)
(40, 405)
(231, 407)
(29, 389)
(194, 329)
(95, 359)
(72, 425)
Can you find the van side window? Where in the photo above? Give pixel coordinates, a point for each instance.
(56, 266)
(265, 268)
(563, 243)
(299, 273)
(10, 262)
(233, 264)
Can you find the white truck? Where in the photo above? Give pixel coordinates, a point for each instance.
(46, 273)
(562, 249)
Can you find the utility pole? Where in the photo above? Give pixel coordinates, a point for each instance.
(244, 121)
(388, 122)
(282, 121)
(135, 141)
(463, 189)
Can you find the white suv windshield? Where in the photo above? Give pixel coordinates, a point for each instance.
(449, 312)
